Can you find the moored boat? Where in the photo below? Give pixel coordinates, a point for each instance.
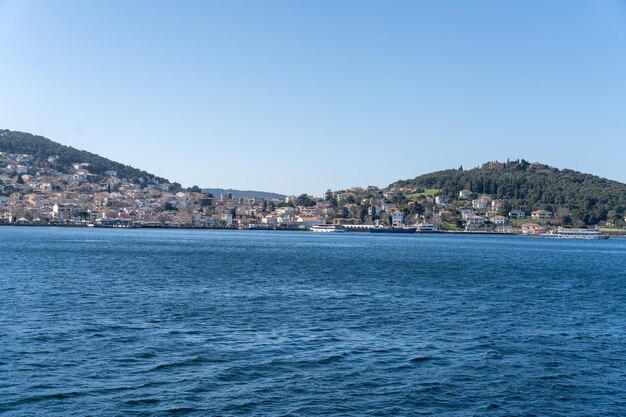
(580, 234)
(379, 229)
(425, 228)
(327, 228)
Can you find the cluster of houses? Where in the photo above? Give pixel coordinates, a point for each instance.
(487, 212)
(37, 194)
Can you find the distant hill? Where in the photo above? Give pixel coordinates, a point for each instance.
(587, 197)
(42, 148)
(242, 193)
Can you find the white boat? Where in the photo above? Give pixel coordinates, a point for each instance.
(327, 228)
(580, 234)
(425, 228)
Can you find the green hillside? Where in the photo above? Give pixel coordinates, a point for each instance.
(586, 197)
(42, 148)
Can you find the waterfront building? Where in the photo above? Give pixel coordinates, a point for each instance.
(474, 222)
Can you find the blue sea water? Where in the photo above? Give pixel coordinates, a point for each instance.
(113, 322)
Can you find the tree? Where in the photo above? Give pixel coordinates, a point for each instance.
(169, 207)
(194, 189)
(532, 187)
(363, 213)
(175, 187)
(305, 200)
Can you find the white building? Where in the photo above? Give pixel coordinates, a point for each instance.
(309, 220)
(397, 218)
(541, 214)
(63, 211)
(228, 219)
(474, 222)
(499, 220)
(491, 213)
(481, 203)
(465, 194)
(517, 214)
(465, 213)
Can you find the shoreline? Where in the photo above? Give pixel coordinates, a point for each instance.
(616, 233)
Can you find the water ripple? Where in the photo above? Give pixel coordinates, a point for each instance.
(196, 323)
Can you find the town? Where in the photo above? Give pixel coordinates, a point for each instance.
(32, 194)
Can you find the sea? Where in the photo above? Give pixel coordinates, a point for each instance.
(137, 322)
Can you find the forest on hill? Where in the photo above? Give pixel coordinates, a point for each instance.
(42, 148)
(585, 197)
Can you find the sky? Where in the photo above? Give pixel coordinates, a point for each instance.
(299, 97)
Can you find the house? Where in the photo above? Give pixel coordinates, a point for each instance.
(517, 214)
(284, 221)
(496, 205)
(491, 213)
(306, 210)
(541, 214)
(481, 203)
(474, 222)
(465, 194)
(499, 220)
(494, 165)
(79, 165)
(441, 200)
(445, 215)
(533, 229)
(308, 220)
(285, 211)
(397, 218)
(465, 213)
(269, 221)
(227, 218)
(62, 211)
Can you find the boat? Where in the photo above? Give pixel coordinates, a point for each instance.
(327, 228)
(425, 228)
(379, 229)
(580, 234)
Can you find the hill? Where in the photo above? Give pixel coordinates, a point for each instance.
(584, 197)
(242, 193)
(42, 149)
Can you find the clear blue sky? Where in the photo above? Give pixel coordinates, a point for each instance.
(293, 96)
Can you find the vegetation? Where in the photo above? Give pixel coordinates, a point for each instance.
(242, 193)
(428, 192)
(583, 198)
(42, 148)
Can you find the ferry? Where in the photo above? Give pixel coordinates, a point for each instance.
(580, 234)
(327, 228)
(425, 228)
(379, 229)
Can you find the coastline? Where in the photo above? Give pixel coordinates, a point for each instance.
(612, 233)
